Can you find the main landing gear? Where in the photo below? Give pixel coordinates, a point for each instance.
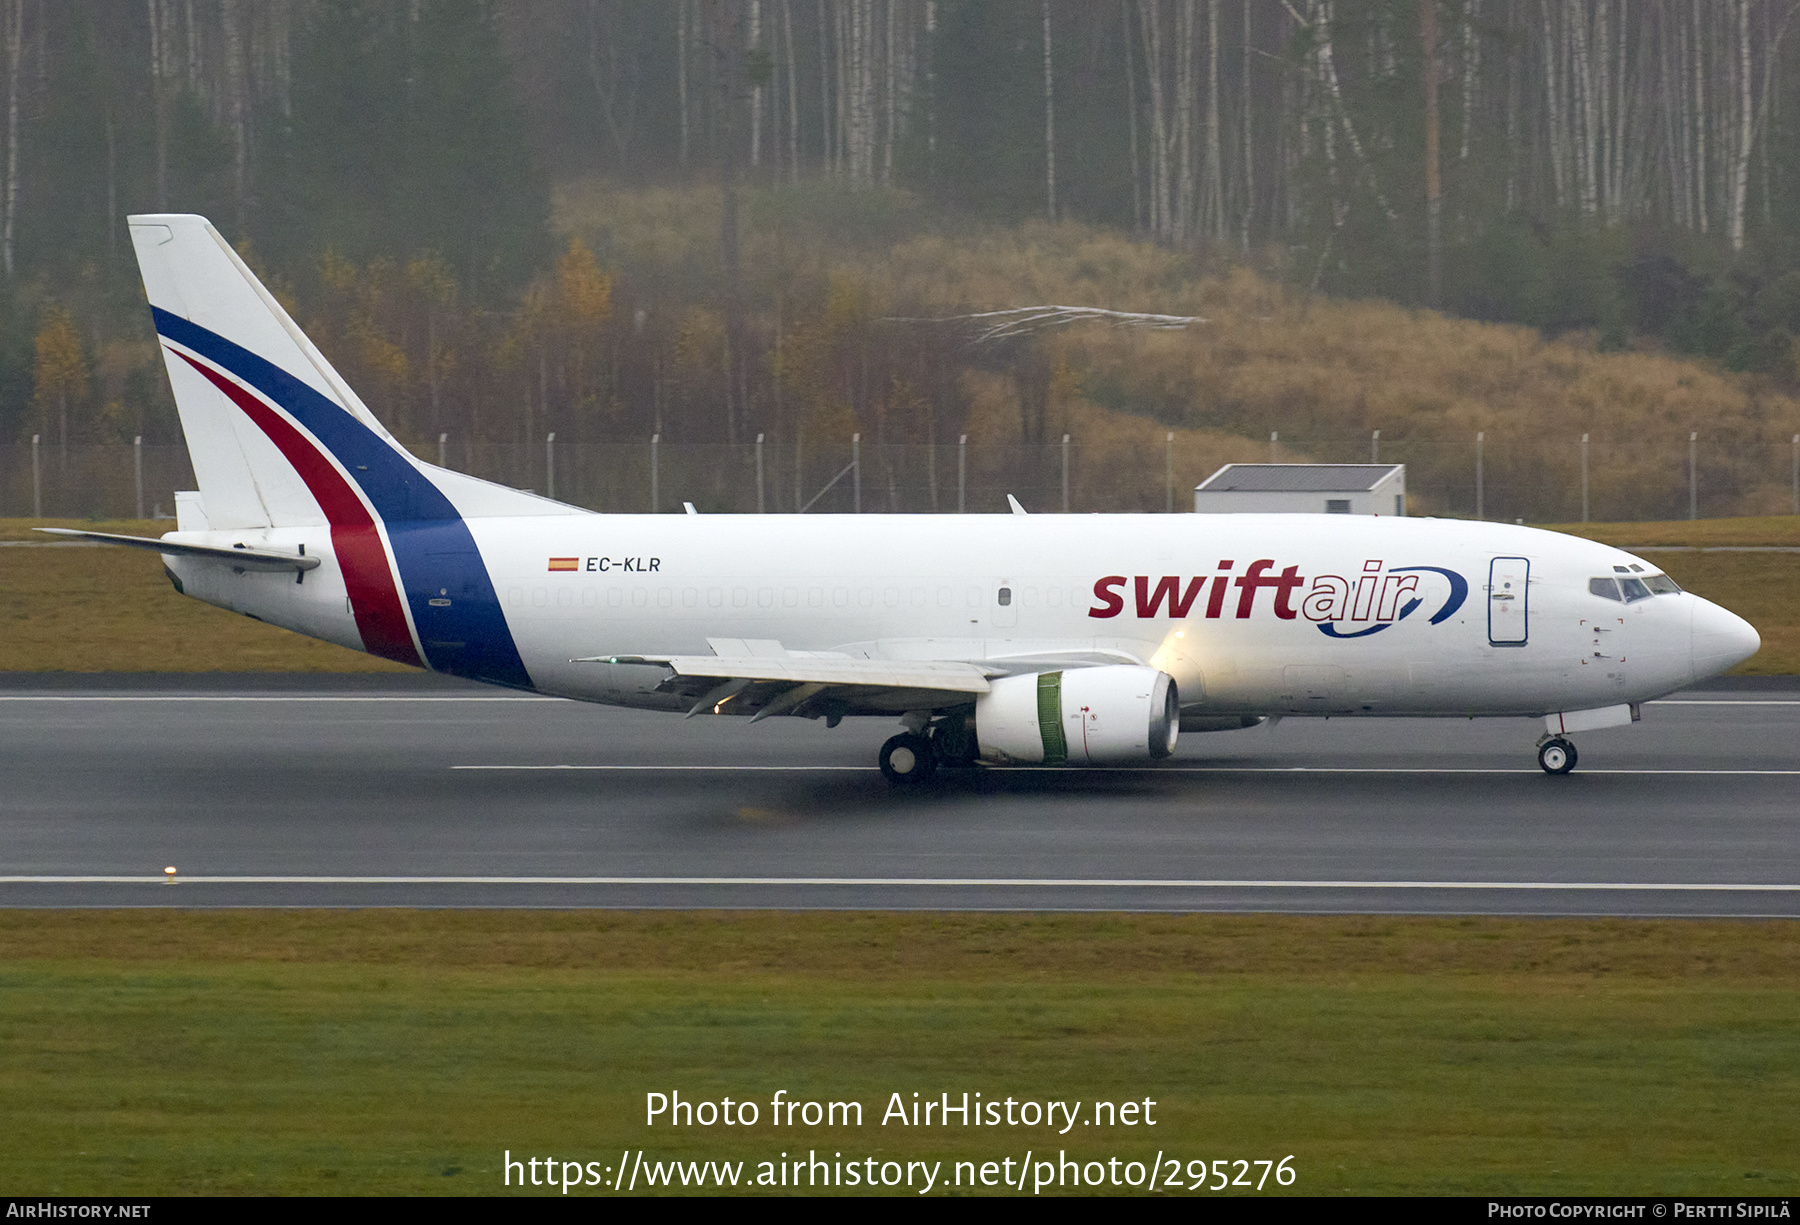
(908, 759)
(916, 754)
(1556, 756)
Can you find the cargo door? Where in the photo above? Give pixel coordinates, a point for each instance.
(1509, 601)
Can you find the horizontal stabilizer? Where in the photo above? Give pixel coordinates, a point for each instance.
(241, 557)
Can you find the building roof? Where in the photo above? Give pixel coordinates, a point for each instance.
(1297, 478)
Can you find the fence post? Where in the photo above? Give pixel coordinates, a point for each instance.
(1693, 475)
(550, 464)
(856, 469)
(799, 455)
(1480, 503)
(1274, 437)
(655, 489)
(1375, 447)
(962, 473)
(1169, 473)
(1065, 462)
(137, 469)
(37, 483)
(443, 450)
(1584, 479)
(1796, 463)
(759, 474)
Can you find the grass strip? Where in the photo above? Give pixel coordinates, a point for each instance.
(402, 1051)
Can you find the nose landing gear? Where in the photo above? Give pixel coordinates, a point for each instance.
(1556, 755)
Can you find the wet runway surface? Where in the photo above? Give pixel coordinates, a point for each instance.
(323, 791)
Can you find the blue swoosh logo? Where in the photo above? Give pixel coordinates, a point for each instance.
(1459, 592)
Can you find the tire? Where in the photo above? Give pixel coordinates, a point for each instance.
(953, 743)
(907, 760)
(1556, 756)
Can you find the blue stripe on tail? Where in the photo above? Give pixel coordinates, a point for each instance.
(435, 551)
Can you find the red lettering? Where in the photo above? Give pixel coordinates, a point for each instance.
(1215, 604)
(1251, 582)
(1111, 604)
(1179, 602)
(1284, 587)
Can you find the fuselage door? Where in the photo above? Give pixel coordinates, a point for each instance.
(1509, 601)
(1006, 604)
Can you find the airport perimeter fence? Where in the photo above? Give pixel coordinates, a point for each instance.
(1491, 477)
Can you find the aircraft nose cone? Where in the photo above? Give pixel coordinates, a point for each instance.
(1721, 639)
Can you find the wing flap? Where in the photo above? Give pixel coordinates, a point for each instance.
(820, 670)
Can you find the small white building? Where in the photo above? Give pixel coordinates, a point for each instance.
(1329, 489)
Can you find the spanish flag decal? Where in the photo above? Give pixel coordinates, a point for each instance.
(564, 563)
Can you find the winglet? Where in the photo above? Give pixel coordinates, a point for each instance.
(1014, 503)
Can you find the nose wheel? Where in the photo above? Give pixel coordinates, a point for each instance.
(1556, 756)
(908, 759)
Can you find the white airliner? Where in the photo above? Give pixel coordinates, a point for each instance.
(1049, 639)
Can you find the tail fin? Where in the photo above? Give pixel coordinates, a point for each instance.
(277, 438)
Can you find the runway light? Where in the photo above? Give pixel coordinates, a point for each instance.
(170, 873)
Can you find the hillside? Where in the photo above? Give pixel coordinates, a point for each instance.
(823, 271)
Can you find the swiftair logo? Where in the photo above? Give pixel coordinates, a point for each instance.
(1341, 607)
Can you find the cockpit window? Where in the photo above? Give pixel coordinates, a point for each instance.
(1660, 584)
(1634, 589)
(1605, 588)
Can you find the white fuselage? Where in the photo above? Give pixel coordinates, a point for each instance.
(1344, 615)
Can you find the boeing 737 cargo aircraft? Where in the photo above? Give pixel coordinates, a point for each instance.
(1054, 639)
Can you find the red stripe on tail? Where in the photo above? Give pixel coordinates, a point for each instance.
(374, 600)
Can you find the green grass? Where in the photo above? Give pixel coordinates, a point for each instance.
(151, 1052)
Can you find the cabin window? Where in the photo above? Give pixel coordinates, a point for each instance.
(1006, 597)
(1605, 588)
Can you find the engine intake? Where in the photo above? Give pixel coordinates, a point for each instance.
(1082, 717)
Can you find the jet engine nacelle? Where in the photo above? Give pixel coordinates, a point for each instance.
(1085, 716)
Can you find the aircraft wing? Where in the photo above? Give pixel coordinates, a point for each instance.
(241, 557)
(764, 678)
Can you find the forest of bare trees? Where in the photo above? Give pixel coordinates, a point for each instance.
(1622, 167)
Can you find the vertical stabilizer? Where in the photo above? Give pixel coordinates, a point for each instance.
(210, 307)
(277, 438)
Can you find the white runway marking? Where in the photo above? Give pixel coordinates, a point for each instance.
(1144, 770)
(925, 882)
(215, 697)
(528, 697)
(1723, 702)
